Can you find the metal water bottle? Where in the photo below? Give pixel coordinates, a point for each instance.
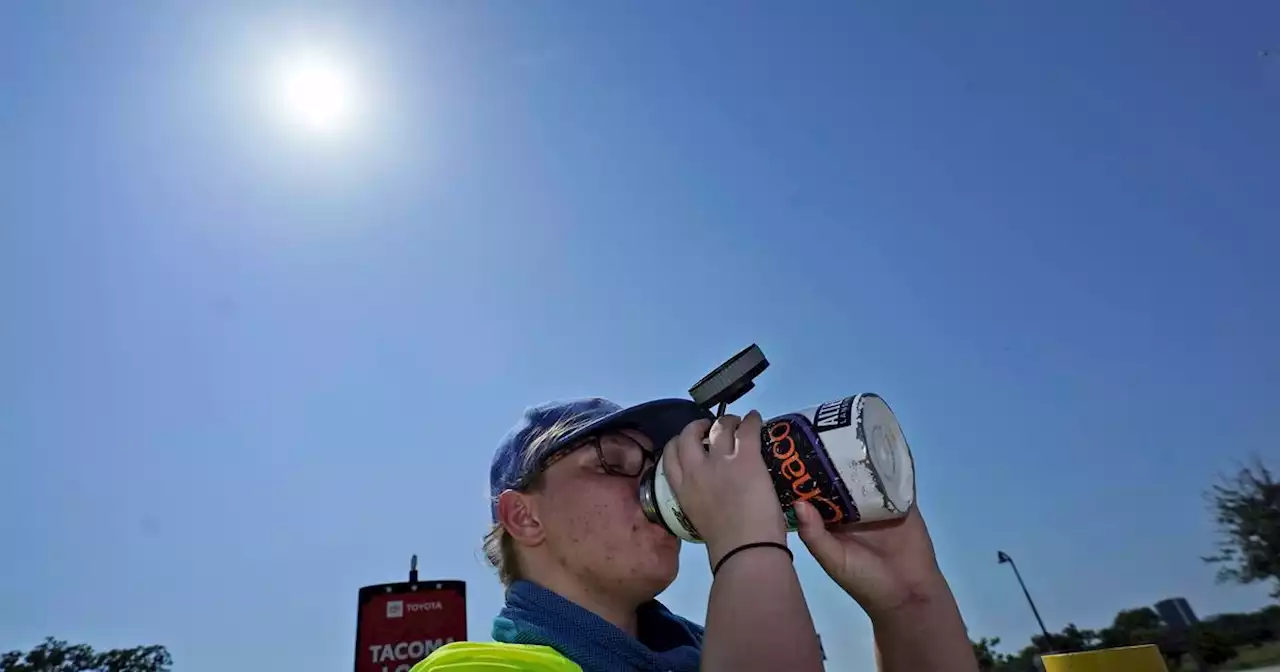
(847, 457)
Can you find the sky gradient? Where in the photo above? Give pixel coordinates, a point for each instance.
(247, 371)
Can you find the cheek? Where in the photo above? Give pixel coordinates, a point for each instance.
(602, 515)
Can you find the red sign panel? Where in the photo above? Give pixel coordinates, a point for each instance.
(399, 624)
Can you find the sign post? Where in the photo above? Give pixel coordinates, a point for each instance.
(399, 624)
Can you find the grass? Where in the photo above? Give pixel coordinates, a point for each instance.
(1248, 658)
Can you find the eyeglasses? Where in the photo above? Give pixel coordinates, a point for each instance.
(619, 454)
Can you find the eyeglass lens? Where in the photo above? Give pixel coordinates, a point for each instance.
(620, 454)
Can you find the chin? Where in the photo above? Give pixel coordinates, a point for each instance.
(665, 564)
(656, 580)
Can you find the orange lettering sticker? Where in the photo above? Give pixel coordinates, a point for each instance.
(802, 471)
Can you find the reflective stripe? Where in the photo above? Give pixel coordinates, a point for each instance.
(495, 657)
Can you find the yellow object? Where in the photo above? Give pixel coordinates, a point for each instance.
(495, 657)
(1145, 658)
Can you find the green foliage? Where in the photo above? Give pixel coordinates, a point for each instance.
(55, 655)
(990, 660)
(984, 650)
(1246, 509)
(1218, 639)
(1246, 630)
(1071, 638)
(1135, 620)
(1214, 648)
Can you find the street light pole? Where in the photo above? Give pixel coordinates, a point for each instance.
(1004, 558)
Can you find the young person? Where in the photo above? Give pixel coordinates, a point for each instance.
(582, 564)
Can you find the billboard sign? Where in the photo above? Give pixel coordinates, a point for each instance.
(399, 624)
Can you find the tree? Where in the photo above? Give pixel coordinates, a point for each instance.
(54, 655)
(1246, 509)
(990, 660)
(1023, 661)
(1213, 648)
(1070, 639)
(1075, 639)
(1136, 620)
(985, 651)
(1131, 626)
(1238, 630)
(1215, 640)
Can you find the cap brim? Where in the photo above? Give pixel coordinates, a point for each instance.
(660, 420)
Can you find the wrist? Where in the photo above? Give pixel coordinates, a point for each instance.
(725, 544)
(926, 632)
(919, 600)
(729, 556)
(753, 558)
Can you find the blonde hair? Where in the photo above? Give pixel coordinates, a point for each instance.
(499, 548)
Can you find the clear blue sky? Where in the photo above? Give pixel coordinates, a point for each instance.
(246, 371)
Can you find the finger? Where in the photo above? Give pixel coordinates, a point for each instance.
(671, 462)
(722, 436)
(747, 437)
(689, 445)
(824, 547)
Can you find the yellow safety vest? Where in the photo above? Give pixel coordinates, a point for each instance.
(495, 657)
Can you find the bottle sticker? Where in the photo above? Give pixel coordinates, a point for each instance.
(834, 414)
(789, 515)
(802, 471)
(684, 522)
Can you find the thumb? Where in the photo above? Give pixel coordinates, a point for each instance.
(826, 549)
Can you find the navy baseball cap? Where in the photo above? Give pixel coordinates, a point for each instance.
(512, 469)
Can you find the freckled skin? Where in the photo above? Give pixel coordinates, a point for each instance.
(597, 530)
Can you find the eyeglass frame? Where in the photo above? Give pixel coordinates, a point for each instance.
(647, 457)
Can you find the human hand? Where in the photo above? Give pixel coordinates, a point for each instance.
(884, 566)
(725, 488)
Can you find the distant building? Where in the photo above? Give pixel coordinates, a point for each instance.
(1176, 613)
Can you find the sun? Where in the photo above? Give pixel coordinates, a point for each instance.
(316, 93)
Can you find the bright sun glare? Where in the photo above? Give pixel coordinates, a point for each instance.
(316, 93)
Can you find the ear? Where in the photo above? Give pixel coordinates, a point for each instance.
(518, 513)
